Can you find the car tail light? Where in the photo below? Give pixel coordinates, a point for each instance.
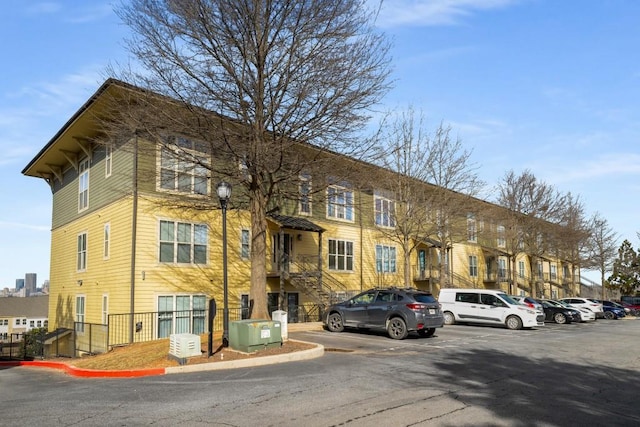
(529, 305)
(416, 306)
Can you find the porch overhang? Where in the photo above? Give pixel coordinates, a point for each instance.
(294, 223)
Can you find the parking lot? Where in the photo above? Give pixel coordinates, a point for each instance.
(556, 375)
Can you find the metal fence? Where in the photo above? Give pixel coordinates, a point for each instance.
(36, 344)
(128, 328)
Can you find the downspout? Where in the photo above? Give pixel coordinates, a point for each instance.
(134, 223)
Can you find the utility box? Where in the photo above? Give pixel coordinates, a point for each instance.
(184, 345)
(281, 316)
(253, 335)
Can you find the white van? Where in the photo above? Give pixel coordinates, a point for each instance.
(487, 306)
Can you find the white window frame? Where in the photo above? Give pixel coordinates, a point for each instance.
(386, 259)
(304, 189)
(81, 310)
(501, 240)
(108, 160)
(83, 184)
(472, 231)
(521, 269)
(106, 247)
(198, 239)
(340, 203)
(341, 259)
(82, 251)
(177, 316)
(473, 266)
(183, 168)
(384, 212)
(245, 243)
(553, 271)
(105, 309)
(502, 268)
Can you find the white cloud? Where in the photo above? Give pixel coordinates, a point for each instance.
(31, 115)
(433, 12)
(597, 168)
(90, 14)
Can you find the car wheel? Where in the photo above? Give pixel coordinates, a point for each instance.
(426, 333)
(609, 315)
(560, 318)
(334, 322)
(397, 329)
(514, 322)
(449, 318)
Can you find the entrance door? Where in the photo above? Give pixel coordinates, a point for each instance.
(422, 264)
(293, 302)
(288, 251)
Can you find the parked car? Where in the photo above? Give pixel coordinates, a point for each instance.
(587, 303)
(609, 303)
(556, 312)
(612, 310)
(634, 309)
(586, 315)
(487, 306)
(528, 301)
(396, 310)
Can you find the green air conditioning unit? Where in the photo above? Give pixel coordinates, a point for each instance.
(253, 335)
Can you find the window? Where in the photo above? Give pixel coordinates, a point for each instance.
(473, 266)
(39, 324)
(502, 241)
(472, 234)
(184, 168)
(24, 321)
(81, 264)
(540, 270)
(83, 185)
(385, 259)
(188, 317)
(245, 247)
(17, 322)
(502, 268)
(553, 270)
(340, 255)
(107, 233)
(521, 269)
(108, 159)
(304, 206)
(80, 303)
(385, 212)
(32, 323)
(183, 243)
(244, 305)
(340, 203)
(105, 309)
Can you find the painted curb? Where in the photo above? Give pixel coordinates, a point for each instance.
(86, 373)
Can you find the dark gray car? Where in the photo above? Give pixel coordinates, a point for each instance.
(396, 310)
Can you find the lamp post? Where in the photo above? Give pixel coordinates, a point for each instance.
(224, 193)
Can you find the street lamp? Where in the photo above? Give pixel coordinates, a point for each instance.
(224, 193)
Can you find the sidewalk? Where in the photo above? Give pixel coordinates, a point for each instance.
(317, 351)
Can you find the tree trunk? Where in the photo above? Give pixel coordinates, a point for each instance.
(258, 290)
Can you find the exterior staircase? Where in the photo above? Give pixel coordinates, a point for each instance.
(322, 288)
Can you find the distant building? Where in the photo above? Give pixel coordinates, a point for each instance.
(30, 283)
(19, 284)
(19, 315)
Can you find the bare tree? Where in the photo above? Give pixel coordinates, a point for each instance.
(416, 157)
(277, 74)
(536, 206)
(571, 237)
(601, 249)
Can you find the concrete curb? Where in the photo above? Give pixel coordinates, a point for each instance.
(317, 351)
(312, 353)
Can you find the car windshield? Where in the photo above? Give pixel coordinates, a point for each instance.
(425, 298)
(506, 298)
(563, 303)
(553, 303)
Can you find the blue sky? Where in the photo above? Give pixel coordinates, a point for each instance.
(546, 85)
